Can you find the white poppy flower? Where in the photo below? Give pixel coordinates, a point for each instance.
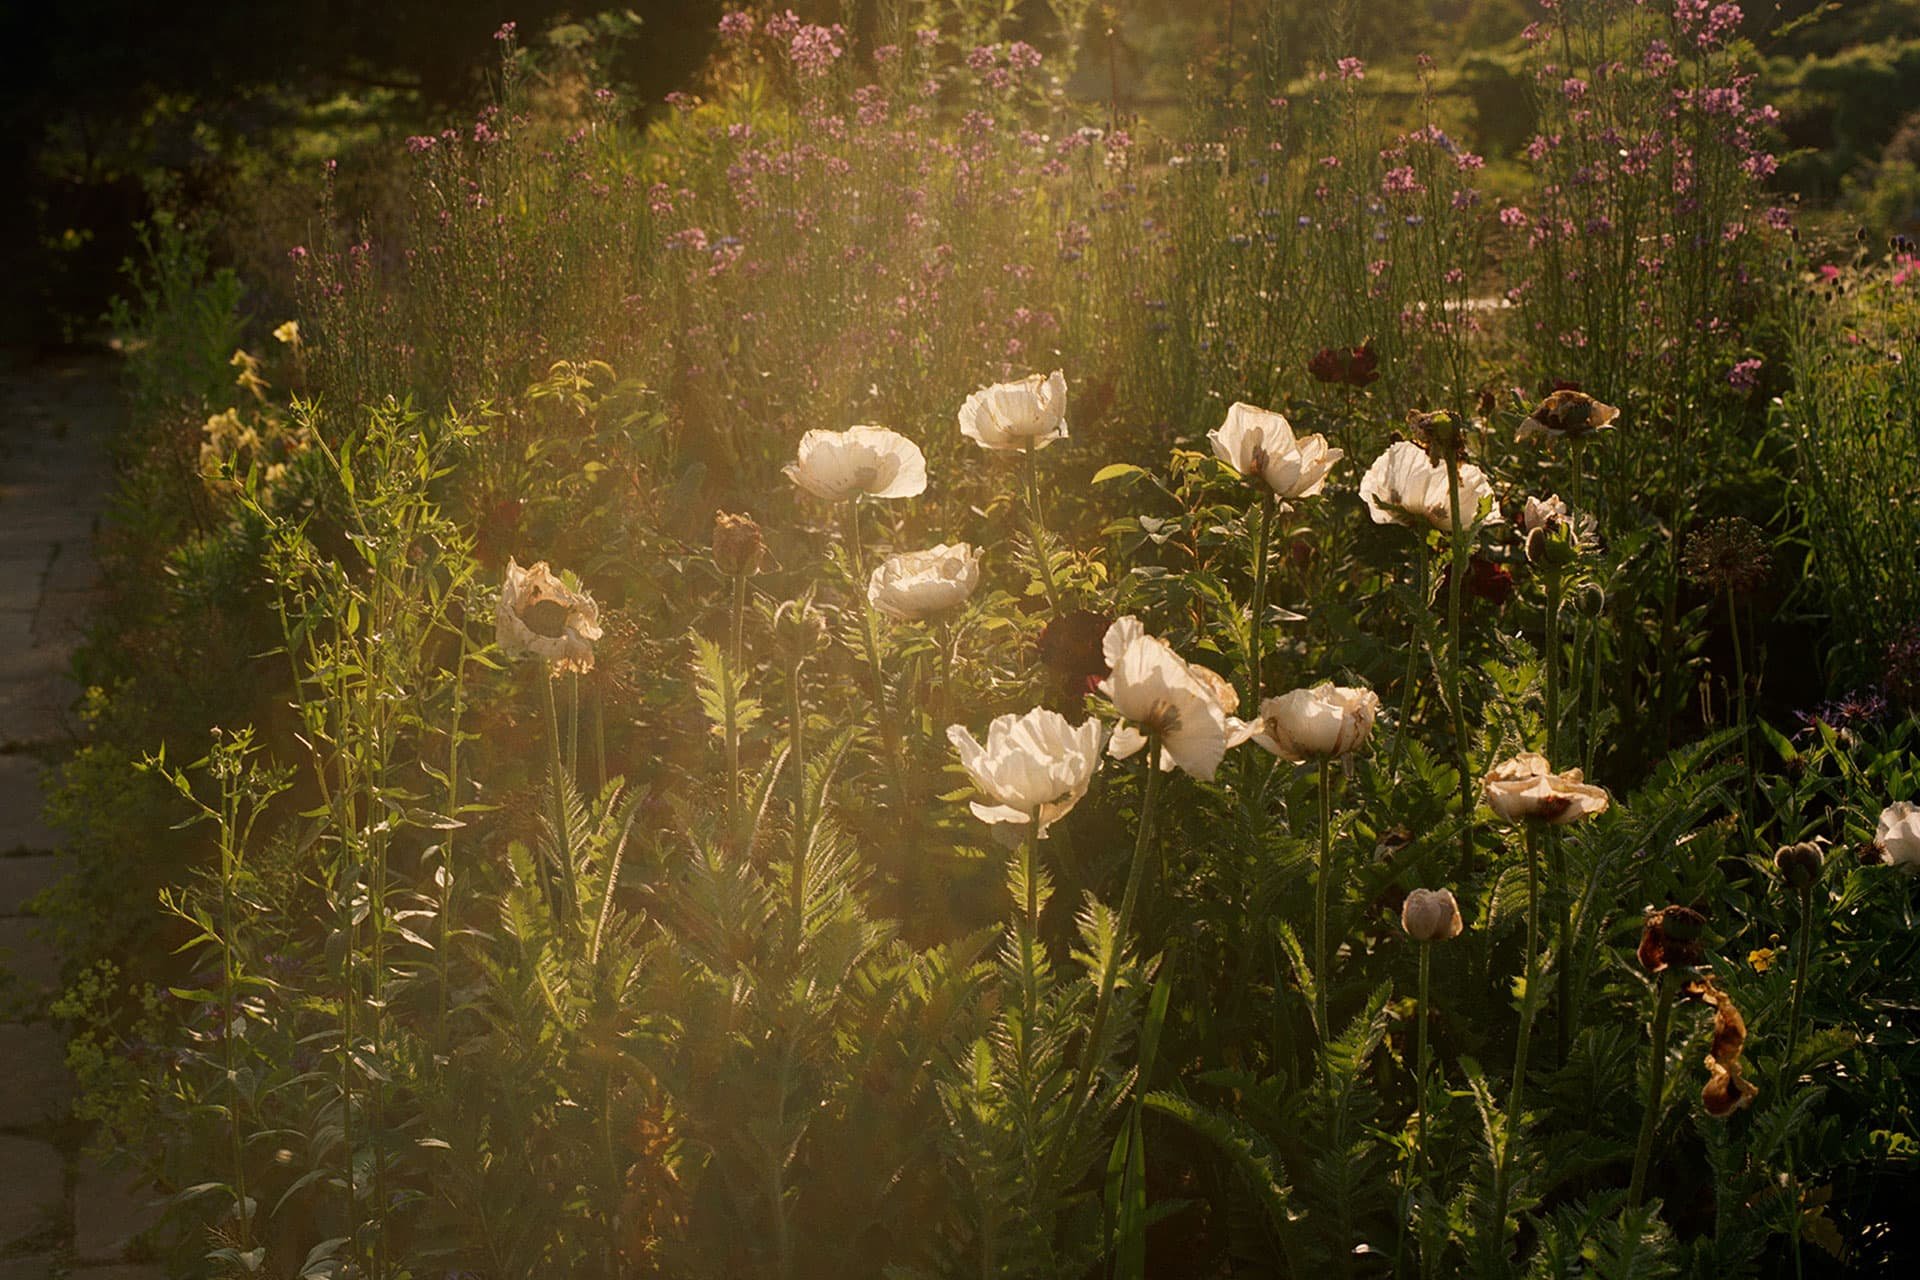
(920, 584)
(1318, 723)
(1526, 787)
(837, 465)
(1038, 763)
(1405, 486)
(1030, 413)
(539, 614)
(1257, 442)
(1163, 694)
(1898, 834)
(1431, 915)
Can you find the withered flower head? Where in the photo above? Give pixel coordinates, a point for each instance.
(1440, 433)
(1727, 1088)
(1671, 939)
(1346, 366)
(738, 547)
(1568, 414)
(1728, 554)
(1799, 864)
(540, 615)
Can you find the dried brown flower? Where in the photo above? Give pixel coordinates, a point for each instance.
(1671, 939)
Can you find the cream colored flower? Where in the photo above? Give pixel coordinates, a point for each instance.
(539, 614)
(1030, 413)
(1542, 513)
(1404, 486)
(837, 465)
(1526, 787)
(1431, 915)
(920, 584)
(1186, 705)
(289, 333)
(1318, 723)
(1256, 442)
(1037, 763)
(1898, 833)
(1568, 414)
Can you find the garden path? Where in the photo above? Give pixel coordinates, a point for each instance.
(61, 1212)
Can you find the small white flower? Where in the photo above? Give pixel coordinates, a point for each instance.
(1030, 413)
(1188, 706)
(919, 584)
(1404, 486)
(1527, 787)
(1257, 442)
(1318, 723)
(1037, 763)
(1540, 513)
(539, 614)
(837, 465)
(1898, 834)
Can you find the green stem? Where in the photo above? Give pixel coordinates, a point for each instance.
(735, 802)
(944, 700)
(889, 732)
(1456, 580)
(1038, 529)
(562, 834)
(1740, 696)
(1563, 945)
(1804, 954)
(1110, 971)
(1422, 585)
(1656, 1084)
(797, 762)
(1322, 976)
(229, 868)
(1503, 1174)
(443, 948)
(1256, 631)
(1028, 942)
(1420, 1060)
(1551, 659)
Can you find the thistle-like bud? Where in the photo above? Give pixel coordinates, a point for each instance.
(738, 547)
(799, 629)
(1431, 915)
(1800, 864)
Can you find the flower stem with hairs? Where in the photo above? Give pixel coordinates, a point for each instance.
(1420, 1060)
(562, 832)
(1037, 528)
(1455, 580)
(1516, 1098)
(1321, 886)
(1256, 631)
(1656, 1084)
(889, 732)
(1422, 570)
(737, 623)
(797, 763)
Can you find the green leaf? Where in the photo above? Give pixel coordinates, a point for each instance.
(1116, 470)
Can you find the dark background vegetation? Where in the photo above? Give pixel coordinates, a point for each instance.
(116, 107)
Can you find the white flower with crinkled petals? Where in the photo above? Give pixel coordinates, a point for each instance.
(1526, 788)
(1317, 724)
(538, 614)
(1540, 513)
(1028, 414)
(1163, 695)
(1035, 765)
(837, 465)
(1898, 833)
(1259, 443)
(921, 584)
(1404, 486)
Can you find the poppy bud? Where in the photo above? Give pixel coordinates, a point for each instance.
(798, 629)
(1431, 915)
(737, 545)
(1799, 864)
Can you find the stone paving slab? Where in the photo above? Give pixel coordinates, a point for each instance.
(29, 959)
(37, 1267)
(21, 777)
(33, 1062)
(111, 1210)
(37, 710)
(33, 1189)
(24, 876)
(120, 1271)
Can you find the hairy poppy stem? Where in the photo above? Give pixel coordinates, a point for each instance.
(1455, 579)
(1256, 631)
(1503, 1173)
(1656, 1085)
(1037, 528)
(1322, 883)
(889, 732)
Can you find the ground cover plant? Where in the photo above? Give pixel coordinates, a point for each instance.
(893, 671)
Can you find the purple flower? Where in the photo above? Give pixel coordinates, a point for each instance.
(1745, 375)
(1352, 69)
(1401, 181)
(737, 25)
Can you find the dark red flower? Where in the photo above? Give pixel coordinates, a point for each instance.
(1070, 647)
(1346, 366)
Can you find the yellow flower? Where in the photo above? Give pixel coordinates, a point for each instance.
(289, 333)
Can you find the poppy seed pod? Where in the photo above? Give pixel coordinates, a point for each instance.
(1799, 865)
(738, 547)
(1431, 915)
